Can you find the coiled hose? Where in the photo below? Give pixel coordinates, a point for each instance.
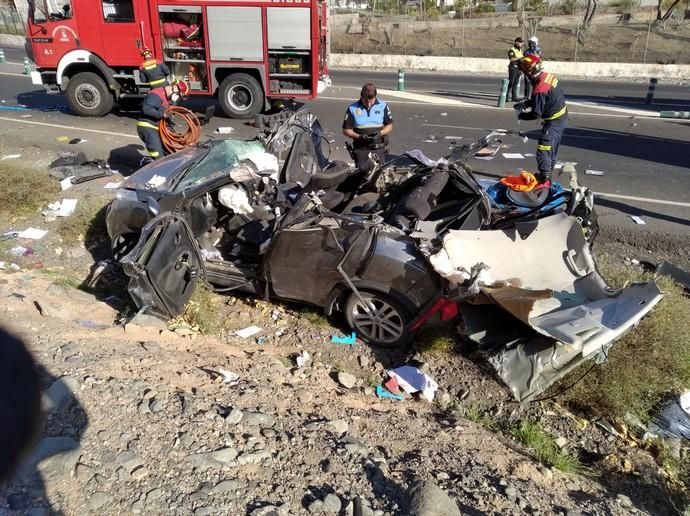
(173, 137)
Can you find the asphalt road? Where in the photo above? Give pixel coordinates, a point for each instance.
(645, 160)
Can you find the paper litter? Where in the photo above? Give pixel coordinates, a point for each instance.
(11, 156)
(33, 233)
(411, 380)
(594, 172)
(637, 220)
(66, 183)
(513, 155)
(248, 331)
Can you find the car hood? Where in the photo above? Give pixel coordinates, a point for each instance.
(158, 174)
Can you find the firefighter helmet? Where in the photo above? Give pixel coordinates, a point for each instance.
(146, 52)
(531, 65)
(182, 87)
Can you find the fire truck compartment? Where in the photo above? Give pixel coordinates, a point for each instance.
(235, 33)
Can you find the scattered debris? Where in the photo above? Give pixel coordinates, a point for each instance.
(594, 172)
(112, 185)
(225, 130)
(63, 208)
(20, 250)
(66, 183)
(411, 380)
(74, 141)
(61, 139)
(155, 181)
(350, 341)
(247, 332)
(680, 276)
(260, 340)
(453, 137)
(513, 155)
(383, 393)
(92, 325)
(280, 332)
(444, 114)
(347, 380)
(559, 165)
(673, 420)
(11, 156)
(33, 234)
(303, 359)
(229, 377)
(637, 220)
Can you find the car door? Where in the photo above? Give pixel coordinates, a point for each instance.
(164, 266)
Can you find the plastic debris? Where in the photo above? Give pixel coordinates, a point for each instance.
(247, 332)
(275, 315)
(3, 266)
(225, 130)
(637, 220)
(260, 340)
(63, 208)
(62, 139)
(594, 172)
(112, 185)
(155, 181)
(33, 233)
(453, 137)
(674, 418)
(383, 393)
(444, 114)
(513, 155)
(11, 156)
(20, 250)
(411, 380)
(74, 141)
(280, 332)
(15, 267)
(350, 341)
(92, 325)
(229, 377)
(66, 183)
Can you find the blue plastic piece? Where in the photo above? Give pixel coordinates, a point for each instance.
(381, 392)
(350, 341)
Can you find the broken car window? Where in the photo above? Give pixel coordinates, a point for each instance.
(221, 157)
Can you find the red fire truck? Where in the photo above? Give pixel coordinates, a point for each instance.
(245, 52)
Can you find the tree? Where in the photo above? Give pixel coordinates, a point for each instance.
(669, 11)
(586, 25)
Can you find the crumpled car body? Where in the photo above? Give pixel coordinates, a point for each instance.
(391, 249)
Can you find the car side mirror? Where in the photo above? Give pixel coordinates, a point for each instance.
(153, 206)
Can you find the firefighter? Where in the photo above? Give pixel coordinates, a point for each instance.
(514, 56)
(548, 103)
(153, 73)
(532, 49)
(153, 111)
(368, 122)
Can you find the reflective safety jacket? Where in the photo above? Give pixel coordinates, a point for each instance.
(154, 73)
(153, 108)
(514, 54)
(367, 121)
(548, 101)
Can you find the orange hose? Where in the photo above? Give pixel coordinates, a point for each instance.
(173, 140)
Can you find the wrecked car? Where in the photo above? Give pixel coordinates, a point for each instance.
(390, 250)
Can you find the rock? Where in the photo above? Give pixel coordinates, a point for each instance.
(338, 426)
(258, 419)
(444, 399)
(511, 493)
(624, 500)
(207, 510)
(442, 475)
(226, 486)
(60, 394)
(332, 504)
(316, 507)
(347, 380)
(561, 442)
(268, 433)
(269, 510)
(253, 458)
(224, 455)
(139, 473)
(363, 360)
(234, 417)
(99, 499)
(156, 406)
(427, 499)
(138, 507)
(154, 494)
(304, 395)
(56, 456)
(355, 446)
(83, 473)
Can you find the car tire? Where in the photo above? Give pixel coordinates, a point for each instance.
(88, 95)
(240, 95)
(388, 326)
(123, 244)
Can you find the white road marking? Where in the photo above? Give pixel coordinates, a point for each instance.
(597, 105)
(643, 199)
(68, 127)
(15, 74)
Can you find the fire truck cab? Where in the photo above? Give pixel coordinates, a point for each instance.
(245, 52)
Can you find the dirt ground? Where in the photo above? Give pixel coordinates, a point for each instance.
(606, 43)
(142, 421)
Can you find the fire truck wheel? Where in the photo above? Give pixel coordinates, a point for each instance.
(241, 96)
(88, 95)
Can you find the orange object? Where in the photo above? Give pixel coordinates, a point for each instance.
(525, 182)
(173, 140)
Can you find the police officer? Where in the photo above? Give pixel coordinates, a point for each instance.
(153, 111)
(532, 49)
(548, 103)
(151, 72)
(368, 122)
(514, 56)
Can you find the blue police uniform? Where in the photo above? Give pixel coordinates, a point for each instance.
(368, 122)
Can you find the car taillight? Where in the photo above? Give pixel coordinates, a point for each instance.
(446, 309)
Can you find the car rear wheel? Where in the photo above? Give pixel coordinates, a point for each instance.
(384, 324)
(241, 96)
(88, 95)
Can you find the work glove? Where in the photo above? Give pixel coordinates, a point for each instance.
(367, 139)
(519, 106)
(524, 116)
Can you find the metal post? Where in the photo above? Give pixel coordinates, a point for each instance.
(646, 44)
(504, 92)
(674, 114)
(650, 91)
(27, 66)
(2, 56)
(401, 79)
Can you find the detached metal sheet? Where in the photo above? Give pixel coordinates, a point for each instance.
(235, 33)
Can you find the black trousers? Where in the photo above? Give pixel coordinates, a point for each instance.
(514, 75)
(152, 140)
(547, 147)
(362, 157)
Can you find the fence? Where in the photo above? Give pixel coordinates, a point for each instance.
(11, 21)
(613, 34)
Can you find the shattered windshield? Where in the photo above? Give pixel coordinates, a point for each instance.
(223, 155)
